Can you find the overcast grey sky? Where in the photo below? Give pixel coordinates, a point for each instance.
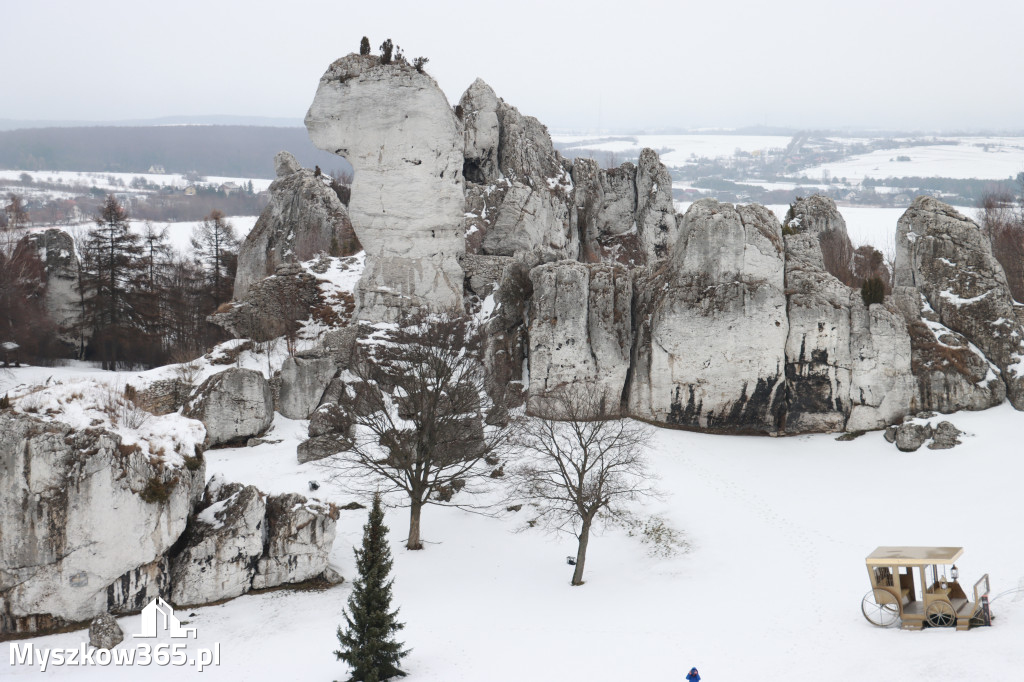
(625, 65)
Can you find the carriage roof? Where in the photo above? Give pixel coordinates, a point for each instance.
(914, 556)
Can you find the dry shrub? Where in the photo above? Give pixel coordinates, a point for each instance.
(837, 252)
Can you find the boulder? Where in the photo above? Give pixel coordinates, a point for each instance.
(949, 259)
(85, 522)
(711, 328)
(946, 436)
(240, 540)
(104, 632)
(233, 405)
(272, 306)
(299, 537)
(580, 333)
(224, 541)
(319, 447)
(395, 126)
(303, 382)
(303, 217)
(911, 436)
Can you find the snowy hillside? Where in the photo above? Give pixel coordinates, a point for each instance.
(769, 588)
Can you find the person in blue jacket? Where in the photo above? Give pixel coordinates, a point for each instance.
(693, 676)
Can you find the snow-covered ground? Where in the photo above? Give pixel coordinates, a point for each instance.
(102, 180)
(770, 588)
(993, 158)
(682, 147)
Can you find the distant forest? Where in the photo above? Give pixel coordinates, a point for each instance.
(233, 151)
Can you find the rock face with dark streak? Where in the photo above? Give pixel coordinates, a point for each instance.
(949, 259)
(711, 328)
(395, 126)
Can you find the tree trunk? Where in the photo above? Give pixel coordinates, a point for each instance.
(581, 553)
(414, 525)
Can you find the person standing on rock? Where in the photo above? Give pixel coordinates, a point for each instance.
(693, 676)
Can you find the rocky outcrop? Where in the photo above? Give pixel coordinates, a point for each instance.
(240, 539)
(303, 382)
(303, 217)
(85, 522)
(952, 374)
(912, 435)
(655, 216)
(882, 384)
(395, 126)
(580, 334)
(56, 251)
(233, 405)
(518, 192)
(949, 260)
(273, 305)
(726, 285)
(506, 289)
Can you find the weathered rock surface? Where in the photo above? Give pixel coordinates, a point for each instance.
(240, 539)
(233, 405)
(946, 436)
(580, 335)
(712, 328)
(303, 217)
(395, 126)
(948, 258)
(303, 382)
(655, 216)
(271, 305)
(911, 436)
(104, 632)
(882, 384)
(519, 193)
(56, 250)
(84, 523)
(506, 343)
(952, 374)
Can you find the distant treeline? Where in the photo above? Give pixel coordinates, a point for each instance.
(970, 188)
(233, 151)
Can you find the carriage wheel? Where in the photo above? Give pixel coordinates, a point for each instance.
(940, 614)
(878, 607)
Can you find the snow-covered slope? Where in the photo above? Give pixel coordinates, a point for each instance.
(769, 589)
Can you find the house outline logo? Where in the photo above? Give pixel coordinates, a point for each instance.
(159, 615)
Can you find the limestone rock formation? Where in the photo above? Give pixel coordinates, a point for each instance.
(85, 523)
(655, 216)
(580, 333)
(223, 543)
(504, 283)
(104, 632)
(395, 126)
(240, 539)
(233, 405)
(952, 374)
(303, 217)
(948, 258)
(711, 328)
(882, 383)
(56, 250)
(303, 382)
(518, 191)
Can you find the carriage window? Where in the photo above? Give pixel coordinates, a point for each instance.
(883, 576)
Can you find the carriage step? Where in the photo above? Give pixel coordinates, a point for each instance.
(906, 624)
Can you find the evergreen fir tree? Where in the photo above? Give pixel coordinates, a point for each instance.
(367, 641)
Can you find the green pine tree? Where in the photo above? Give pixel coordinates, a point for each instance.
(367, 641)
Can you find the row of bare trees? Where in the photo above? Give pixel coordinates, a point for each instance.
(1002, 217)
(423, 428)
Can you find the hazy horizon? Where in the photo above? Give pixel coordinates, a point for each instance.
(589, 67)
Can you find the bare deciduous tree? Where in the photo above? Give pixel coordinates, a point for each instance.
(422, 424)
(580, 471)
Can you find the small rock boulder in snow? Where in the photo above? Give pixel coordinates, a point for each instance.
(303, 382)
(945, 437)
(300, 534)
(233, 405)
(104, 632)
(911, 436)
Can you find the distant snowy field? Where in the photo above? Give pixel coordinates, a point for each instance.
(990, 158)
(101, 180)
(682, 146)
(770, 590)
